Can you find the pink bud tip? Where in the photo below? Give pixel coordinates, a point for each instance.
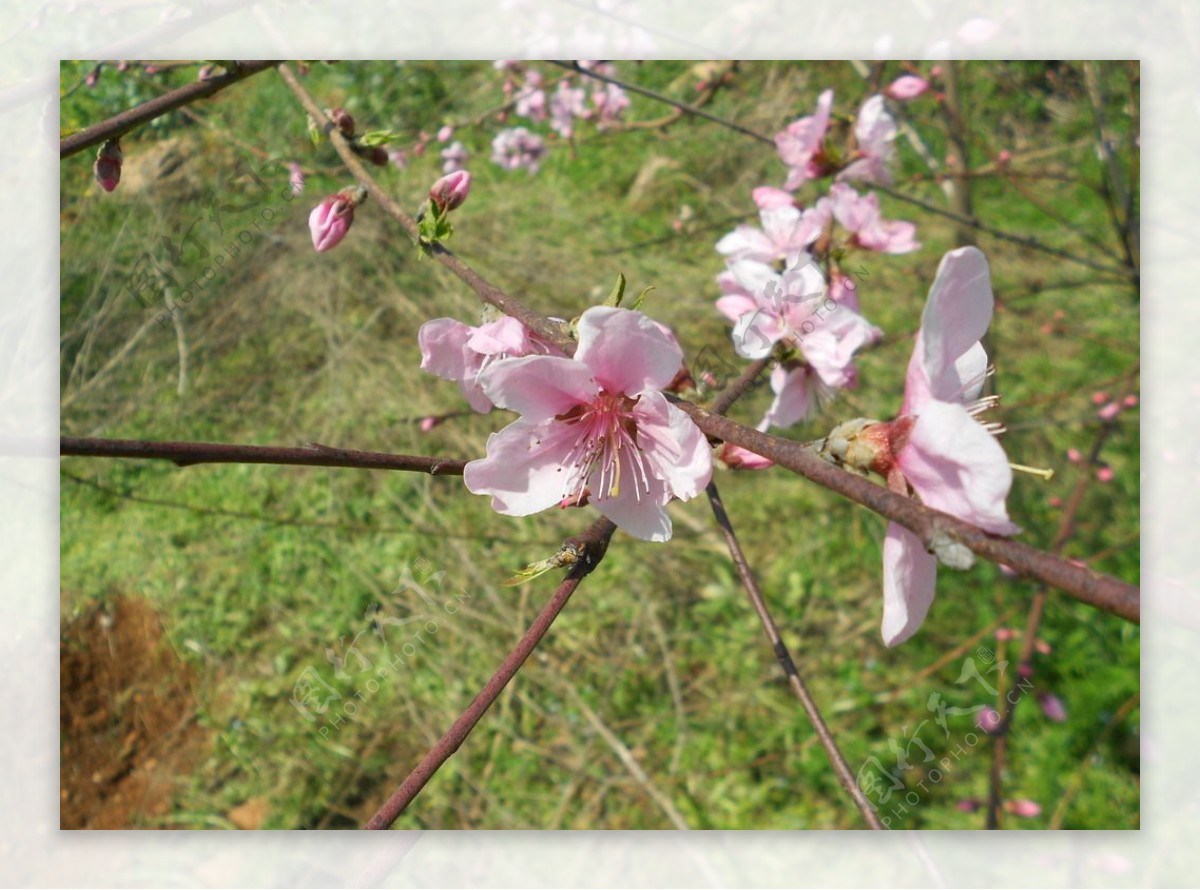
(1105, 474)
(1026, 809)
(935, 71)
(1005, 157)
(969, 805)
(1099, 398)
(1055, 502)
(1025, 671)
(737, 458)
(428, 423)
(1109, 411)
(445, 134)
(1007, 571)
(906, 86)
(1073, 455)
(330, 221)
(1043, 647)
(988, 720)
(1130, 401)
(92, 79)
(1005, 633)
(451, 190)
(1052, 707)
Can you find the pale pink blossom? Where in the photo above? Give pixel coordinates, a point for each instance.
(785, 235)
(567, 104)
(860, 215)
(1074, 456)
(906, 86)
(801, 144)
(445, 134)
(1099, 398)
(936, 446)
(531, 100)
(1105, 474)
(454, 157)
(597, 422)
(1109, 411)
(1130, 401)
(874, 132)
(459, 352)
(988, 719)
(798, 391)
(767, 197)
(610, 101)
(768, 307)
(295, 177)
(517, 147)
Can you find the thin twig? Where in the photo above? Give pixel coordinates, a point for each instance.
(120, 124)
(592, 544)
(840, 767)
(186, 454)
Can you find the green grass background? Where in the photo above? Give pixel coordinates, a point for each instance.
(658, 661)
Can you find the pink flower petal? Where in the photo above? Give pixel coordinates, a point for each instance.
(538, 387)
(626, 351)
(957, 467)
(795, 395)
(505, 335)
(948, 363)
(673, 444)
(526, 469)
(444, 352)
(641, 513)
(909, 579)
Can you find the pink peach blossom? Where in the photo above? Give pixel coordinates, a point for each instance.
(331, 219)
(1099, 398)
(785, 235)
(597, 422)
(874, 131)
(860, 215)
(1074, 456)
(1026, 809)
(454, 157)
(460, 352)
(1109, 411)
(517, 147)
(1052, 707)
(801, 144)
(1105, 474)
(948, 458)
(988, 720)
(449, 192)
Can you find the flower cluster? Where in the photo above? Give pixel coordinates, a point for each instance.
(561, 110)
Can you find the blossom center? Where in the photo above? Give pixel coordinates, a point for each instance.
(605, 427)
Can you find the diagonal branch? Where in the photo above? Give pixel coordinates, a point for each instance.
(844, 774)
(122, 123)
(185, 454)
(592, 544)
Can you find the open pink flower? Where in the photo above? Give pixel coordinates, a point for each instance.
(874, 131)
(860, 215)
(596, 423)
(786, 233)
(951, 460)
(801, 144)
(907, 86)
(461, 353)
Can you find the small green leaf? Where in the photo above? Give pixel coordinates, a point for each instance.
(618, 292)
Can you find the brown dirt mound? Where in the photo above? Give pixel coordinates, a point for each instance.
(127, 722)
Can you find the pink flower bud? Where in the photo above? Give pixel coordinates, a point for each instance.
(1073, 455)
(1099, 398)
(1055, 502)
(1130, 401)
(1052, 707)
(451, 190)
(1043, 647)
(1005, 633)
(988, 720)
(906, 86)
(935, 71)
(969, 805)
(93, 77)
(1007, 571)
(738, 458)
(433, 420)
(205, 72)
(1109, 411)
(445, 134)
(1004, 158)
(331, 219)
(1026, 809)
(1105, 474)
(107, 168)
(576, 500)
(377, 156)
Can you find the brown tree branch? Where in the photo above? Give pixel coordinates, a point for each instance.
(1101, 591)
(186, 454)
(592, 544)
(841, 768)
(120, 124)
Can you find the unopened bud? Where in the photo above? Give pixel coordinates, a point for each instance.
(342, 120)
(331, 219)
(108, 165)
(737, 458)
(451, 190)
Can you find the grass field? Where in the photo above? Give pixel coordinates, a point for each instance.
(655, 698)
